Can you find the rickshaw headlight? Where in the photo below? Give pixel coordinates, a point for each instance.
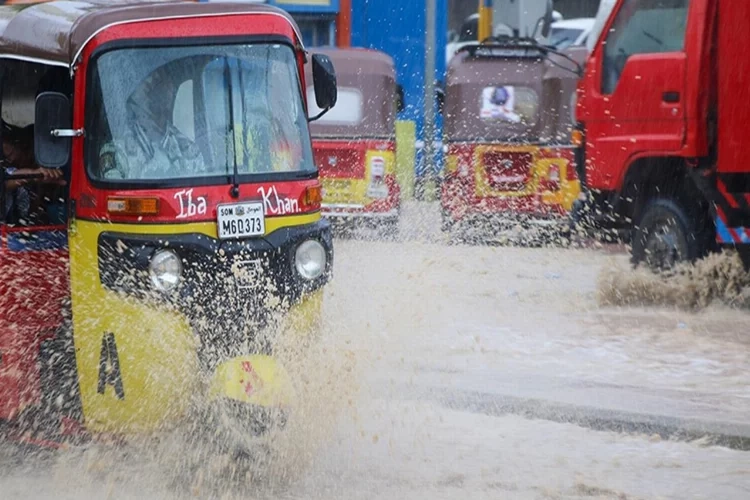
(165, 270)
(310, 259)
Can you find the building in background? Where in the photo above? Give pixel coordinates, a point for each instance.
(398, 29)
(316, 19)
(571, 9)
(321, 22)
(459, 12)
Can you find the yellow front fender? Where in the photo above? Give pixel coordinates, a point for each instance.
(253, 379)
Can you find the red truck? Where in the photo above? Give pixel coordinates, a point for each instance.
(663, 117)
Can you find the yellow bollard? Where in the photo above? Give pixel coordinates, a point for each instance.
(485, 20)
(406, 136)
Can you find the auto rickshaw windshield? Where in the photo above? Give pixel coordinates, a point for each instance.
(173, 113)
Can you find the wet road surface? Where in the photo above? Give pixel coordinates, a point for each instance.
(455, 371)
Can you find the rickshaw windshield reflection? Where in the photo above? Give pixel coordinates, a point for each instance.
(196, 111)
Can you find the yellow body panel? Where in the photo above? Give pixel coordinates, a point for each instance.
(354, 191)
(155, 348)
(569, 190)
(137, 362)
(304, 319)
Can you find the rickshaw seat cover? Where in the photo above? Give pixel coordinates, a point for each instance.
(55, 32)
(373, 73)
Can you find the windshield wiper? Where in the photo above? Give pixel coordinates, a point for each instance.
(235, 191)
(653, 37)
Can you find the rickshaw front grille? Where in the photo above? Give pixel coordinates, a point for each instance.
(233, 292)
(229, 300)
(231, 303)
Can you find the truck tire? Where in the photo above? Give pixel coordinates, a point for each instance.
(667, 234)
(744, 252)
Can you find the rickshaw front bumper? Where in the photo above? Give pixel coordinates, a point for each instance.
(354, 210)
(229, 290)
(146, 359)
(532, 209)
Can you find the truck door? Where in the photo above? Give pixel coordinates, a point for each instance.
(639, 105)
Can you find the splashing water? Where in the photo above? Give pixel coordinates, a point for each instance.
(717, 278)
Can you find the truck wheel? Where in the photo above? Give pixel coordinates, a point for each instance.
(667, 235)
(744, 252)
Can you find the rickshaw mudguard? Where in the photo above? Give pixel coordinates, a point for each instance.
(262, 380)
(137, 363)
(256, 379)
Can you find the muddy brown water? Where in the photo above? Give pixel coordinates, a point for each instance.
(418, 311)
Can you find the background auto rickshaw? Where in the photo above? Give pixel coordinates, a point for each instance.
(508, 117)
(355, 143)
(139, 294)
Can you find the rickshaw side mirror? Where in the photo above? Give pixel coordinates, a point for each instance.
(52, 123)
(324, 80)
(400, 98)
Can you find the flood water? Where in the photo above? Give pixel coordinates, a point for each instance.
(465, 371)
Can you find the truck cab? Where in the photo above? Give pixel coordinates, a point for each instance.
(660, 114)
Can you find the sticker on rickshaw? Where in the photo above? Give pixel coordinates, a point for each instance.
(498, 103)
(241, 220)
(377, 188)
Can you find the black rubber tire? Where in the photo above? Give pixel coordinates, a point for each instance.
(690, 235)
(744, 252)
(389, 228)
(446, 221)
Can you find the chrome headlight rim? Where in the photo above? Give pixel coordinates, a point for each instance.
(314, 270)
(157, 279)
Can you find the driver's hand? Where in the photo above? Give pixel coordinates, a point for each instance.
(51, 175)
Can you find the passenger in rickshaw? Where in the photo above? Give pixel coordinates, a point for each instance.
(152, 146)
(18, 156)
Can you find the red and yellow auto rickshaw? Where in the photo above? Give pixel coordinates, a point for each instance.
(355, 143)
(183, 221)
(508, 115)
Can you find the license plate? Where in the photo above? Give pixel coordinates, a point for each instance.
(241, 220)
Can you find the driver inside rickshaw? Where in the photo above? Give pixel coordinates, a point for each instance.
(21, 201)
(152, 146)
